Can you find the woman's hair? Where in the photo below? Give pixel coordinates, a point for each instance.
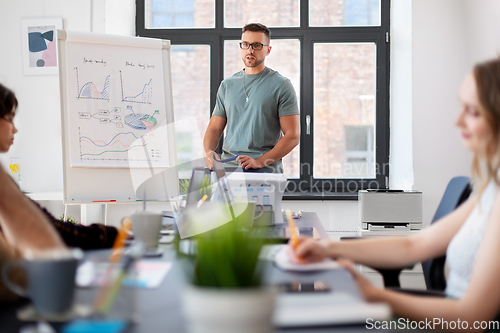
(8, 101)
(487, 77)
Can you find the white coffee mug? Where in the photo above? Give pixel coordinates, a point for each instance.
(146, 227)
(248, 208)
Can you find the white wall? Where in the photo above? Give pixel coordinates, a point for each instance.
(434, 43)
(448, 37)
(38, 142)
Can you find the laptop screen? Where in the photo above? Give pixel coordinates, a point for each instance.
(223, 185)
(196, 184)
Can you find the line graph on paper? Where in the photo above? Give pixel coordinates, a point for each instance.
(143, 95)
(121, 147)
(92, 89)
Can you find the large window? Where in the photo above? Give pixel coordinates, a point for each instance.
(336, 54)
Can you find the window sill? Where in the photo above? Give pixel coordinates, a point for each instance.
(320, 196)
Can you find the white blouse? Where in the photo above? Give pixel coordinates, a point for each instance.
(463, 248)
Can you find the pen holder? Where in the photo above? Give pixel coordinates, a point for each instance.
(101, 292)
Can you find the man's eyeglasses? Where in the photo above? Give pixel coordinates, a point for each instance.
(255, 46)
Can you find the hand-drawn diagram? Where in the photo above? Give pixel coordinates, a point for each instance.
(89, 89)
(115, 146)
(104, 116)
(121, 146)
(141, 121)
(144, 96)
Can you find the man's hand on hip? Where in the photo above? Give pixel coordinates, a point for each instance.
(249, 163)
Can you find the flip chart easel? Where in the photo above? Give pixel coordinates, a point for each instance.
(117, 118)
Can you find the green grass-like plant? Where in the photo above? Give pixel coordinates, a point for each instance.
(69, 219)
(205, 186)
(227, 257)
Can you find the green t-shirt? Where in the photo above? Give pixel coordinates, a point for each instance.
(253, 126)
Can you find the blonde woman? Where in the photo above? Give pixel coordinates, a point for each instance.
(469, 236)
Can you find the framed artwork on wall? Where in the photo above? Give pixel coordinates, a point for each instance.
(39, 37)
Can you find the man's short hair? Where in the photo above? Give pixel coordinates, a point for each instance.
(257, 27)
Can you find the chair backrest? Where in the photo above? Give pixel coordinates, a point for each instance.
(457, 191)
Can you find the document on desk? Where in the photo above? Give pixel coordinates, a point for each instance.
(334, 308)
(282, 261)
(148, 274)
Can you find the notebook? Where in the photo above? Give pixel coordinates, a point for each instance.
(323, 309)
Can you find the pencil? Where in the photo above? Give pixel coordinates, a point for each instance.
(116, 253)
(114, 289)
(202, 200)
(293, 231)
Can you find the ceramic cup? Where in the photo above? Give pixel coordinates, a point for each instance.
(50, 279)
(256, 213)
(146, 226)
(249, 208)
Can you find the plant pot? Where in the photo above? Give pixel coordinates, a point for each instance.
(219, 310)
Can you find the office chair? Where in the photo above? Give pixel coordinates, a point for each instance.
(457, 191)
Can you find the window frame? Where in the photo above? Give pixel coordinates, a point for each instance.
(308, 36)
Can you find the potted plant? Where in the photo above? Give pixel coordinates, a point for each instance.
(226, 292)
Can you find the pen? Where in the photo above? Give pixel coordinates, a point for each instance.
(229, 159)
(293, 231)
(202, 200)
(104, 201)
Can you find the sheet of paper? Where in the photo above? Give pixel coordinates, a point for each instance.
(282, 260)
(269, 252)
(148, 274)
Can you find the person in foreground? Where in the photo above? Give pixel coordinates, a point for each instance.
(469, 236)
(258, 108)
(24, 228)
(86, 237)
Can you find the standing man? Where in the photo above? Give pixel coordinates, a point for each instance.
(258, 108)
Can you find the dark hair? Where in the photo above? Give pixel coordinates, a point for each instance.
(257, 27)
(487, 79)
(8, 101)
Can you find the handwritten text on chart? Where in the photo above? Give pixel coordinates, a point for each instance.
(96, 61)
(143, 65)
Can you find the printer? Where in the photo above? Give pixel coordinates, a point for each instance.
(265, 189)
(389, 211)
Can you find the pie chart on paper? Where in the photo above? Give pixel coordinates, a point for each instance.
(140, 121)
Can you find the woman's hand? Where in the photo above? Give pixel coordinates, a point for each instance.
(368, 290)
(308, 251)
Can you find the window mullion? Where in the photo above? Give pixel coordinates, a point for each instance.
(382, 112)
(307, 107)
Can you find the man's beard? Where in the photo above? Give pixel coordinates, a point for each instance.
(255, 64)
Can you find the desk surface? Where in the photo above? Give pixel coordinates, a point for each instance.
(160, 308)
(310, 220)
